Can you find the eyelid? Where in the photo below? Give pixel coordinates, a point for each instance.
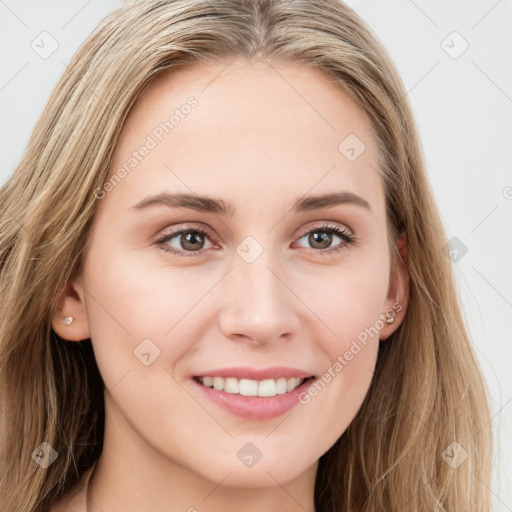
(326, 224)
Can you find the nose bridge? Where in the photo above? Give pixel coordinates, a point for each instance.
(260, 305)
(257, 284)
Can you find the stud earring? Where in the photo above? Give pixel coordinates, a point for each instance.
(390, 319)
(68, 320)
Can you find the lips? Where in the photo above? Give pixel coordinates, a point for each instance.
(254, 394)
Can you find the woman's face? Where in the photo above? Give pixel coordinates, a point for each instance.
(231, 150)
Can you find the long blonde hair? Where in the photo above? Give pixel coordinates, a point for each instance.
(427, 391)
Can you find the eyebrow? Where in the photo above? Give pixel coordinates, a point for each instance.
(219, 207)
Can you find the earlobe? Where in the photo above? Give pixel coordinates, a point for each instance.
(69, 319)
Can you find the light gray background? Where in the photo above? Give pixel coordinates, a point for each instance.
(463, 106)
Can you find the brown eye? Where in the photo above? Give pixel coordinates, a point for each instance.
(188, 241)
(192, 240)
(320, 239)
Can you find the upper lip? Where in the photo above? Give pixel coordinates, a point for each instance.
(246, 372)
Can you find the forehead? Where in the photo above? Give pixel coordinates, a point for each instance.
(254, 126)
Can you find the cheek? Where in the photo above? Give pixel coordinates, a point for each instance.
(350, 308)
(350, 303)
(130, 300)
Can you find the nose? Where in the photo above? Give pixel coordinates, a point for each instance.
(260, 307)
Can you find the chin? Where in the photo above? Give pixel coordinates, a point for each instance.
(265, 472)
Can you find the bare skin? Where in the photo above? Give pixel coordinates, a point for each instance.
(254, 141)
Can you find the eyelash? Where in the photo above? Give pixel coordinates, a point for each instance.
(347, 237)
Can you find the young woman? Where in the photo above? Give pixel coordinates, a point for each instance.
(222, 277)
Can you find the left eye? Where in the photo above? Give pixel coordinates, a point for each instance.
(326, 233)
(193, 240)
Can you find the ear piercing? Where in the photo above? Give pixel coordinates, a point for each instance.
(390, 319)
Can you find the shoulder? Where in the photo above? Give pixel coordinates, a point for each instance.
(74, 499)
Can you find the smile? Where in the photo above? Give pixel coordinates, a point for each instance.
(254, 400)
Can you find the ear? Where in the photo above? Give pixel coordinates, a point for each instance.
(71, 303)
(398, 290)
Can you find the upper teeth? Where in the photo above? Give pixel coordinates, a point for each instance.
(249, 387)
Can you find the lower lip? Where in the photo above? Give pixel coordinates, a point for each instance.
(255, 407)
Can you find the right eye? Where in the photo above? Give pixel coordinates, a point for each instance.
(191, 240)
